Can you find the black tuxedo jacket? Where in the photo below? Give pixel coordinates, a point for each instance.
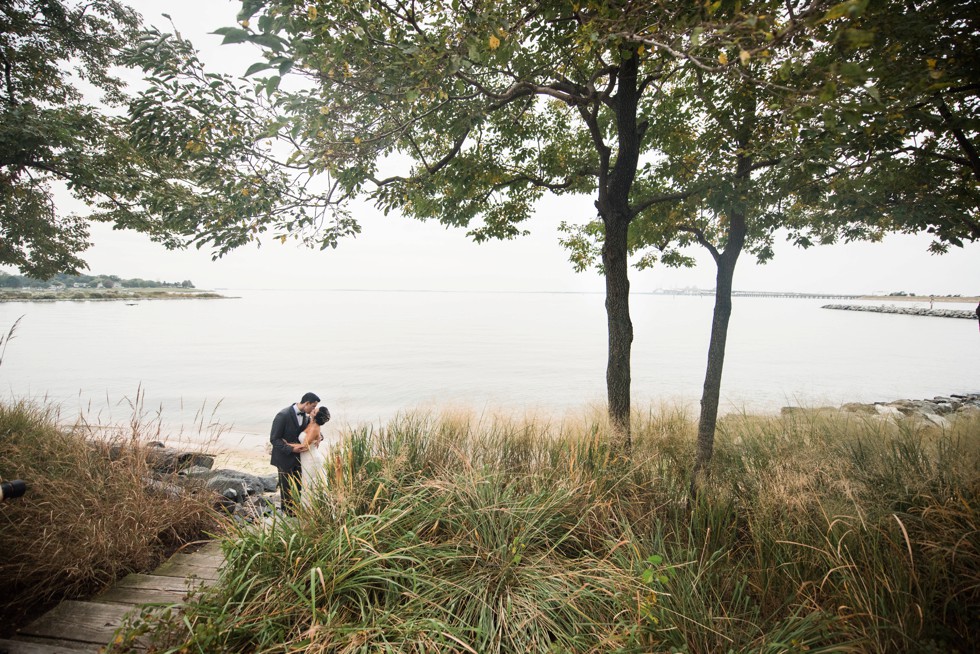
(285, 429)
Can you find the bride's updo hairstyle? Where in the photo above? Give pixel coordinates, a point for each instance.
(321, 416)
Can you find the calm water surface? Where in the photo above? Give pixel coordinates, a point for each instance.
(372, 354)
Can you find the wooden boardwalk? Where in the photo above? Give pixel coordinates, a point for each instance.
(73, 627)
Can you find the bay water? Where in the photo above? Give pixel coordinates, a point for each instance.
(193, 364)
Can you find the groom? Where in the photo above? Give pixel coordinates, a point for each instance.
(286, 448)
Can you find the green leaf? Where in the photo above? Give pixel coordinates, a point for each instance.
(859, 38)
(232, 35)
(271, 41)
(256, 67)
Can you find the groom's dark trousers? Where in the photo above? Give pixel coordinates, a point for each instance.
(286, 429)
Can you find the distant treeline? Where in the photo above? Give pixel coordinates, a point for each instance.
(86, 281)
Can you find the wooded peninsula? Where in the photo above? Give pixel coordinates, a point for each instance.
(17, 288)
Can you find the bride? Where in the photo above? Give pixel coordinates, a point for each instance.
(312, 459)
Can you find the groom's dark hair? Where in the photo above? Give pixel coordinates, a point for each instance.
(309, 397)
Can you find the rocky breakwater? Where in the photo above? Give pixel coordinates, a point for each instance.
(240, 494)
(939, 410)
(905, 311)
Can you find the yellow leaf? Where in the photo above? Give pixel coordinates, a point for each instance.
(324, 110)
(744, 56)
(311, 12)
(282, 239)
(244, 23)
(357, 140)
(494, 43)
(931, 63)
(245, 192)
(641, 50)
(723, 59)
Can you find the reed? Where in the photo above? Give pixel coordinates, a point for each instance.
(89, 516)
(817, 532)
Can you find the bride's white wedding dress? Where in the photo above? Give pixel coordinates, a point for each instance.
(312, 462)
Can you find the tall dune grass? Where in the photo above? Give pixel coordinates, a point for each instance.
(90, 515)
(818, 532)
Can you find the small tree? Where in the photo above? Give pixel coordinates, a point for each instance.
(773, 149)
(469, 114)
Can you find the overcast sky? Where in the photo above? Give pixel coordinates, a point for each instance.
(394, 252)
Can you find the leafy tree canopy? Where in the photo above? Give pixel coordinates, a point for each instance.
(183, 185)
(48, 133)
(909, 120)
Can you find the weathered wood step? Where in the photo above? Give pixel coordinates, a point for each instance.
(73, 627)
(26, 647)
(190, 565)
(158, 582)
(86, 622)
(139, 596)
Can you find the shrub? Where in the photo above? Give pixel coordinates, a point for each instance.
(89, 516)
(817, 532)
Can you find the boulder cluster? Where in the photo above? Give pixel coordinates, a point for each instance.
(905, 311)
(240, 494)
(938, 410)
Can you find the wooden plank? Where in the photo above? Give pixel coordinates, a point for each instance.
(199, 559)
(157, 582)
(87, 622)
(140, 596)
(27, 647)
(180, 566)
(211, 549)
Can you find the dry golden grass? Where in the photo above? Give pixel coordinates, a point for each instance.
(90, 514)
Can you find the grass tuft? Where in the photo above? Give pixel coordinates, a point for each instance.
(89, 517)
(818, 532)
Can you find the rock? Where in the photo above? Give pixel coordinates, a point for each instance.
(904, 311)
(166, 459)
(221, 483)
(270, 483)
(253, 483)
(888, 410)
(857, 407)
(937, 420)
(163, 488)
(903, 406)
(225, 504)
(196, 472)
(264, 505)
(195, 459)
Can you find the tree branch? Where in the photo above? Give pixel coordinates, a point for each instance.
(701, 239)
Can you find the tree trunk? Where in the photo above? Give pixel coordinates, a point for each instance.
(716, 351)
(613, 206)
(620, 327)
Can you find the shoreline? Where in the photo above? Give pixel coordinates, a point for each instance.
(107, 294)
(964, 299)
(905, 311)
(249, 452)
